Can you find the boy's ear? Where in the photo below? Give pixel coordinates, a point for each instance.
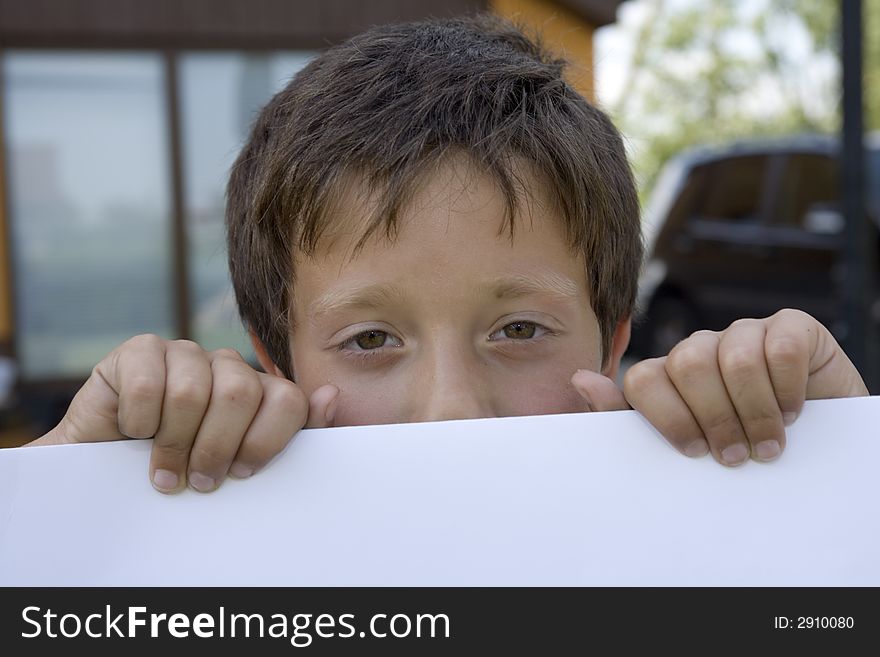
(263, 356)
(619, 343)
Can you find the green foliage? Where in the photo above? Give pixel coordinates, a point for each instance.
(714, 70)
(872, 64)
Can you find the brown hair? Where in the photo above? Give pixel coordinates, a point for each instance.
(392, 100)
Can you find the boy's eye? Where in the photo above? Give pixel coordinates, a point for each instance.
(368, 340)
(519, 331)
(371, 339)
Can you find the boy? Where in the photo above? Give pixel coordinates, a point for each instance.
(428, 223)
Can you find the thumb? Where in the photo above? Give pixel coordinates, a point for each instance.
(601, 393)
(91, 416)
(322, 407)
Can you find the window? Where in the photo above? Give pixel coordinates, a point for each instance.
(89, 199)
(810, 183)
(220, 94)
(734, 188)
(89, 184)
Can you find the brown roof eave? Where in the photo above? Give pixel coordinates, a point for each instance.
(595, 12)
(247, 24)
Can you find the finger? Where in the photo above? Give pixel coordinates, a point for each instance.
(788, 344)
(188, 381)
(693, 368)
(747, 379)
(322, 407)
(600, 392)
(136, 371)
(805, 362)
(93, 415)
(650, 391)
(283, 411)
(236, 393)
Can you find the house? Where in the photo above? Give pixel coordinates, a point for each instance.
(118, 120)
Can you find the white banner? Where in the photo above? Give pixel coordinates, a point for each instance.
(584, 499)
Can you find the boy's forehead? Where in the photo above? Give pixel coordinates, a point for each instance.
(454, 184)
(451, 241)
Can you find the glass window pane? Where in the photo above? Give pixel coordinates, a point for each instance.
(221, 94)
(734, 189)
(90, 205)
(810, 183)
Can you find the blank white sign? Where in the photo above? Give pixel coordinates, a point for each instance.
(583, 499)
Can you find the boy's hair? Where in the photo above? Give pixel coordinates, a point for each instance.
(389, 103)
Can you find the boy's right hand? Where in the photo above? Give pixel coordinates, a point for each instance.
(210, 413)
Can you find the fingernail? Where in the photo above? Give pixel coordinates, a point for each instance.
(575, 377)
(767, 450)
(165, 480)
(240, 470)
(789, 418)
(696, 449)
(734, 454)
(200, 482)
(330, 413)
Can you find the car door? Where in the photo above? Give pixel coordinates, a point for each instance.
(719, 257)
(805, 234)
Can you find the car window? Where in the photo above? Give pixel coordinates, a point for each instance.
(686, 199)
(733, 189)
(810, 183)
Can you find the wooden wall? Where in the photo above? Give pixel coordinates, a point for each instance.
(570, 34)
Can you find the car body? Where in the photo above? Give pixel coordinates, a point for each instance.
(744, 229)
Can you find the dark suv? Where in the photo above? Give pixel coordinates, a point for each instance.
(744, 230)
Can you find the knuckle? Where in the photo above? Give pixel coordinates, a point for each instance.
(288, 395)
(145, 340)
(640, 375)
(175, 450)
(722, 428)
(687, 361)
(762, 424)
(211, 458)
(135, 428)
(238, 389)
(739, 361)
(258, 453)
(678, 429)
(141, 388)
(783, 350)
(189, 345)
(188, 392)
(226, 352)
(790, 314)
(98, 370)
(744, 322)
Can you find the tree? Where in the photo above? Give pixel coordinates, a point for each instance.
(706, 71)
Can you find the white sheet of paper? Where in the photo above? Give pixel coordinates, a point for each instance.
(587, 499)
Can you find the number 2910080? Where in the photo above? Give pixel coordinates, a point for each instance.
(813, 623)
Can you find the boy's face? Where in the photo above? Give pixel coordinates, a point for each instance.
(452, 319)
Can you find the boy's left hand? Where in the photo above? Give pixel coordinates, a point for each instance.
(732, 392)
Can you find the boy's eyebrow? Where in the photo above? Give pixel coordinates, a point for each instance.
(363, 297)
(519, 285)
(509, 286)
